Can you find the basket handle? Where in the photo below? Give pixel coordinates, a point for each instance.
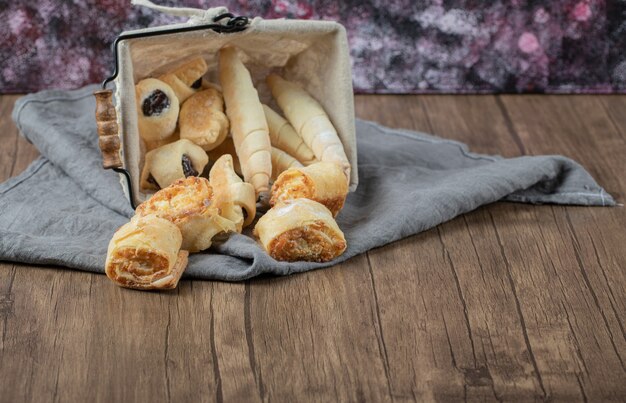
(108, 130)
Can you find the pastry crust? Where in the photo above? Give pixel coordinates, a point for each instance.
(284, 137)
(202, 119)
(310, 121)
(183, 78)
(323, 182)
(227, 147)
(145, 254)
(188, 203)
(171, 162)
(151, 145)
(157, 109)
(249, 127)
(281, 161)
(300, 229)
(235, 199)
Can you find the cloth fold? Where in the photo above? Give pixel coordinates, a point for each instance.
(64, 208)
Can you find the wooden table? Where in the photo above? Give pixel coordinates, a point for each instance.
(508, 302)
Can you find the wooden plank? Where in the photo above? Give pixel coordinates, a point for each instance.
(317, 335)
(585, 264)
(493, 305)
(466, 308)
(15, 152)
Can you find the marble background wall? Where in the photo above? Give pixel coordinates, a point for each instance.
(397, 46)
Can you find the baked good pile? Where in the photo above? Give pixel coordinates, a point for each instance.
(295, 164)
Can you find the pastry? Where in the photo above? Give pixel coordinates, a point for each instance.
(170, 162)
(247, 120)
(310, 121)
(157, 109)
(151, 145)
(284, 137)
(202, 119)
(227, 147)
(186, 79)
(146, 254)
(235, 199)
(323, 182)
(281, 161)
(188, 203)
(300, 229)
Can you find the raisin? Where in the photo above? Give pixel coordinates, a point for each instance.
(155, 103)
(196, 84)
(153, 181)
(187, 167)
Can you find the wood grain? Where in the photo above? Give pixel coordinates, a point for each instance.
(509, 302)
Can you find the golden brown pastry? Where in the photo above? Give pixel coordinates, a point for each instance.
(186, 79)
(145, 254)
(300, 229)
(323, 182)
(202, 119)
(189, 204)
(247, 119)
(227, 147)
(151, 145)
(284, 137)
(157, 109)
(235, 199)
(310, 121)
(170, 162)
(281, 161)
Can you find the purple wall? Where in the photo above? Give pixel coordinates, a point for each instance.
(398, 46)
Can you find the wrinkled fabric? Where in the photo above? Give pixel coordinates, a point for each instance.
(64, 208)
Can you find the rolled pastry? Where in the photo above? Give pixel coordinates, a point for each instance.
(310, 121)
(281, 161)
(202, 119)
(235, 199)
(170, 162)
(284, 137)
(300, 229)
(145, 254)
(157, 109)
(323, 182)
(186, 79)
(188, 203)
(227, 147)
(247, 119)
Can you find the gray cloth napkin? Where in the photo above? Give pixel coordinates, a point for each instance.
(64, 208)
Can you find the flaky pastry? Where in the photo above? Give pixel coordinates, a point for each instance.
(323, 182)
(189, 204)
(146, 254)
(170, 162)
(300, 229)
(235, 199)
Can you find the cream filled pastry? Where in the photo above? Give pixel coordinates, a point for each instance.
(146, 254)
(157, 109)
(202, 119)
(323, 182)
(249, 127)
(310, 121)
(300, 229)
(284, 137)
(170, 162)
(235, 199)
(189, 204)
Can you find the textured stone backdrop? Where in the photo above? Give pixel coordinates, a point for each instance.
(396, 45)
